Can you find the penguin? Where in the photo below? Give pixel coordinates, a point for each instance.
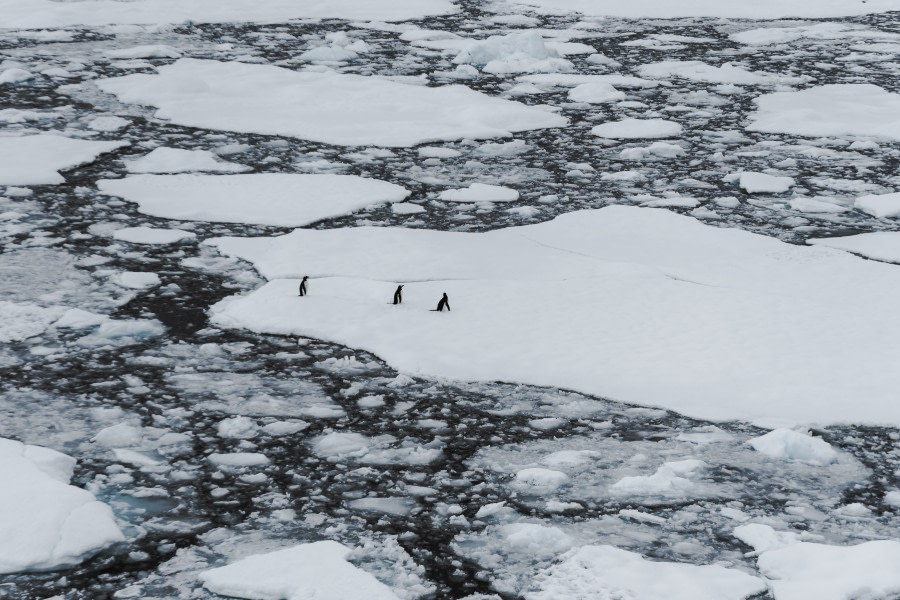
(445, 301)
(398, 295)
(303, 285)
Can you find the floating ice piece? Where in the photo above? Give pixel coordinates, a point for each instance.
(438, 152)
(767, 36)
(538, 480)
(339, 443)
(137, 280)
(696, 70)
(480, 192)
(237, 428)
(635, 129)
(761, 183)
(282, 199)
(14, 75)
(743, 317)
(594, 572)
(20, 320)
(536, 540)
(37, 14)
(878, 245)
(390, 506)
(763, 537)
(45, 523)
(575, 79)
(36, 159)
(406, 208)
(670, 478)
(108, 123)
(806, 570)
(239, 459)
(121, 435)
(152, 51)
(660, 149)
(881, 206)
(830, 110)
(595, 93)
(76, 318)
(663, 9)
(176, 160)
(152, 235)
(317, 570)
(523, 52)
(787, 444)
(328, 107)
(814, 206)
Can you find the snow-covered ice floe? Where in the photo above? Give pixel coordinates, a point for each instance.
(317, 570)
(175, 160)
(37, 159)
(830, 110)
(640, 305)
(636, 129)
(878, 245)
(150, 235)
(666, 9)
(284, 199)
(37, 14)
(45, 523)
(325, 107)
(606, 572)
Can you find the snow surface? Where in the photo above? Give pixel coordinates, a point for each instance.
(151, 235)
(325, 107)
(45, 523)
(690, 314)
(315, 570)
(696, 70)
(600, 572)
(36, 159)
(176, 160)
(787, 444)
(665, 9)
(635, 129)
(36, 14)
(881, 206)
(265, 198)
(523, 52)
(830, 110)
(762, 183)
(480, 192)
(878, 245)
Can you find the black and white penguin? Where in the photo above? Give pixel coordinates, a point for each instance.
(444, 302)
(398, 295)
(303, 285)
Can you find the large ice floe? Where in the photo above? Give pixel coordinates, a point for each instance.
(830, 110)
(37, 159)
(317, 570)
(665, 9)
(45, 523)
(640, 305)
(324, 107)
(49, 13)
(285, 199)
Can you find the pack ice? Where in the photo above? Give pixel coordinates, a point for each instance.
(37, 159)
(328, 107)
(665, 9)
(640, 305)
(45, 523)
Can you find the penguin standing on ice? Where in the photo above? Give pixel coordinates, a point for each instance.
(398, 295)
(303, 285)
(444, 302)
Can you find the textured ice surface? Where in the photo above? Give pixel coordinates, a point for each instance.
(37, 159)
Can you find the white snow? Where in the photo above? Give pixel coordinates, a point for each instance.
(830, 110)
(45, 523)
(763, 537)
(601, 572)
(790, 445)
(149, 51)
(817, 205)
(317, 570)
(878, 245)
(696, 70)
(634, 129)
(36, 159)
(743, 316)
(673, 477)
(762, 183)
(322, 106)
(480, 192)
(665, 9)
(36, 14)
(539, 480)
(523, 52)
(137, 280)
(595, 93)
(176, 160)
(808, 570)
(152, 235)
(22, 320)
(265, 198)
(881, 206)
(121, 435)
(108, 123)
(14, 75)
(239, 459)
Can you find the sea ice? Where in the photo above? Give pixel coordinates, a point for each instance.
(523, 52)
(282, 199)
(742, 319)
(635, 129)
(787, 444)
(317, 570)
(600, 572)
(830, 110)
(45, 523)
(664, 9)
(761, 183)
(595, 93)
(881, 206)
(696, 70)
(36, 159)
(480, 192)
(152, 235)
(22, 320)
(176, 160)
(37, 14)
(878, 245)
(329, 107)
